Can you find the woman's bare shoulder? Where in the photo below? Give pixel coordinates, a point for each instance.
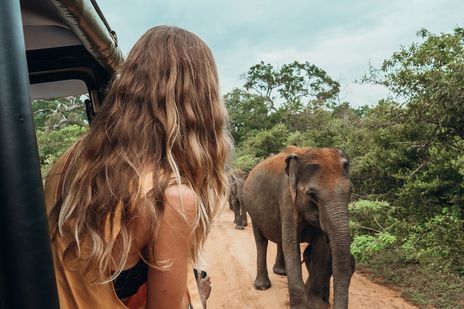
(179, 199)
(182, 199)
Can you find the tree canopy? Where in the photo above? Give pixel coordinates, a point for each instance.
(294, 85)
(59, 123)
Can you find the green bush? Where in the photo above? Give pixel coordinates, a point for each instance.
(371, 217)
(246, 162)
(364, 247)
(265, 142)
(438, 243)
(372, 224)
(299, 139)
(53, 143)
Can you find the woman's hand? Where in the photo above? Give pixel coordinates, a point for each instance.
(204, 289)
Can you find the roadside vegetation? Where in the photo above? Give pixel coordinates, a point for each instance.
(59, 123)
(407, 154)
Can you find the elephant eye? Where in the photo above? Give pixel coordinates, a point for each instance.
(312, 196)
(346, 165)
(312, 167)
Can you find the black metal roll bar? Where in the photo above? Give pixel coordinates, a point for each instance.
(27, 277)
(86, 20)
(26, 271)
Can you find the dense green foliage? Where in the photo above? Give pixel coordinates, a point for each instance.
(407, 151)
(59, 123)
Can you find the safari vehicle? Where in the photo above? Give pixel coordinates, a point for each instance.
(48, 49)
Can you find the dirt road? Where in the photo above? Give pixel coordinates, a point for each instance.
(232, 267)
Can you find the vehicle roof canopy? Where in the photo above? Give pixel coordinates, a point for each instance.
(70, 47)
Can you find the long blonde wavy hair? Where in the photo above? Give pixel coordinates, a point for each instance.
(162, 110)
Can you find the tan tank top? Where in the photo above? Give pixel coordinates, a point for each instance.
(74, 290)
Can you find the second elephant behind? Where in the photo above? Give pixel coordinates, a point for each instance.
(236, 180)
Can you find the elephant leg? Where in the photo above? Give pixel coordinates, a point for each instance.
(318, 260)
(238, 219)
(279, 266)
(231, 207)
(235, 217)
(307, 256)
(243, 215)
(262, 281)
(231, 200)
(292, 256)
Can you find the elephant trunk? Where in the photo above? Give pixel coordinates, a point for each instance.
(338, 232)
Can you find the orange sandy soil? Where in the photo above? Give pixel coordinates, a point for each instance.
(231, 258)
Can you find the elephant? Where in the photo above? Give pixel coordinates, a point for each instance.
(301, 195)
(236, 180)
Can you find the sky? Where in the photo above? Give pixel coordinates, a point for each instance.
(343, 37)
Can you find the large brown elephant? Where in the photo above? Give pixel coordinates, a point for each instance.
(301, 195)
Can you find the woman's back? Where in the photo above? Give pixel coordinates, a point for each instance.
(146, 180)
(74, 288)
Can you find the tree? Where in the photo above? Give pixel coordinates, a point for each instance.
(59, 123)
(247, 112)
(429, 78)
(295, 86)
(58, 113)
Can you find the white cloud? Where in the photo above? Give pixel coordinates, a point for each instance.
(345, 52)
(340, 36)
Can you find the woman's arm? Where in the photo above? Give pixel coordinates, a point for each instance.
(166, 289)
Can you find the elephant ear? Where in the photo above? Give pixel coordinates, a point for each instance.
(291, 170)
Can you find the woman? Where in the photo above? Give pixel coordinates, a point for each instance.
(132, 201)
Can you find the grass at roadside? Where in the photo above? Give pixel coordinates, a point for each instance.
(426, 288)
